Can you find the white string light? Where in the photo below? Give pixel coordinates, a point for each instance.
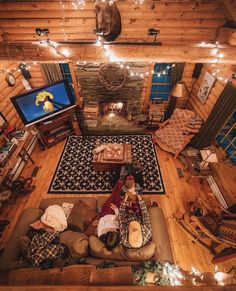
(217, 57)
(62, 22)
(112, 58)
(27, 66)
(78, 4)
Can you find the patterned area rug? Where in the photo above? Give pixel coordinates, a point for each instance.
(75, 174)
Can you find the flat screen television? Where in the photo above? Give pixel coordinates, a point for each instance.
(44, 102)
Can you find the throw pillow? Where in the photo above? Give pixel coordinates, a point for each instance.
(99, 250)
(142, 254)
(81, 216)
(76, 242)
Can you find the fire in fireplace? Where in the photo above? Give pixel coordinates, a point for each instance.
(113, 108)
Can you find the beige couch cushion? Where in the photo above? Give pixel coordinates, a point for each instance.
(160, 235)
(76, 242)
(141, 254)
(99, 250)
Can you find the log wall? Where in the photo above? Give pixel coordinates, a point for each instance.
(6, 92)
(178, 21)
(224, 172)
(194, 102)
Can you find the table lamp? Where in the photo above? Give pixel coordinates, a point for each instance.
(208, 156)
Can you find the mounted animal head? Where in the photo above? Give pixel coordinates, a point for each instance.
(108, 20)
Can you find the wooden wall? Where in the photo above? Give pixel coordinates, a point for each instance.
(194, 102)
(224, 171)
(178, 21)
(6, 92)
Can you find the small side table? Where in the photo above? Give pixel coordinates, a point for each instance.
(194, 169)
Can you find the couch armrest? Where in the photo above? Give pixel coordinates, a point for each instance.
(11, 252)
(160, 236)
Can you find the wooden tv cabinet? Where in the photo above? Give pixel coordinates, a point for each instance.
(55, 129)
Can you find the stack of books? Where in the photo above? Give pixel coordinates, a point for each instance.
(91, 115)
(6, 151)
(18, 134)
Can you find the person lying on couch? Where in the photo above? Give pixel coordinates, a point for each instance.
(108, 225)
(134, 222)
(108, 228)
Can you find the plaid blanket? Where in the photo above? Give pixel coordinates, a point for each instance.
(125, 217)
(43, 247)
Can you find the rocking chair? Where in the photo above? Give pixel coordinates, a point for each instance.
(205, 223)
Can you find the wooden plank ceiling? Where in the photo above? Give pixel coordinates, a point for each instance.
(181, 23)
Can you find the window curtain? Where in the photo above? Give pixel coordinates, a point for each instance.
(52, 72)
(222, 110)
(176, 76)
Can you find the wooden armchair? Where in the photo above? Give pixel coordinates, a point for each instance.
(205, 224)
(175, 133)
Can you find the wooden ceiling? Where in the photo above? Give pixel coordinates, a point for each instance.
(181, 23)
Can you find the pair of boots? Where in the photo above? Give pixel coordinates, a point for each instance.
(22, 186)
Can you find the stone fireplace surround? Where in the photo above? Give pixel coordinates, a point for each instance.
(111, 118)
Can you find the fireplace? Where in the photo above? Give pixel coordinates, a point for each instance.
(113, 108)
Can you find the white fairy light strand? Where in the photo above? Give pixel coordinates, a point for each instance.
(80, 4)
(216, 53)
(62, 22)
(122, 64)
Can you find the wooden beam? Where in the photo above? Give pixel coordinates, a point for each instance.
(227, 35)
(229, 8)
(75, 84)
(124, 52)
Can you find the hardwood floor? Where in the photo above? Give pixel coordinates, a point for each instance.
(187, 254)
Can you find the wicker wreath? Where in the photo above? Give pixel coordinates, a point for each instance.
(112, 76)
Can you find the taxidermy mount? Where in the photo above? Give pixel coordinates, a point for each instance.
(108, 20)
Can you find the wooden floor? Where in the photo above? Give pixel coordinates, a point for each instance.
(178, 192)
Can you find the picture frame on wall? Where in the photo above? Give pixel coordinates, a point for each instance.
(205, 88)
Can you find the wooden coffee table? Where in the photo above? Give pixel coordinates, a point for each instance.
(112, 157)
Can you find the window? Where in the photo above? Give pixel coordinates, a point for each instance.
(160, 90)
(227, 138)
(66, 75)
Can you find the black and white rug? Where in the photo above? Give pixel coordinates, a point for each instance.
(75, 174)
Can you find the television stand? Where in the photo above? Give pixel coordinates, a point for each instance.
(55, 129)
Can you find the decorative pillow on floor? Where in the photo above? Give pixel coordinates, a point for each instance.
(142, 254)
(76, 242)
(81, 216)
(99, 250)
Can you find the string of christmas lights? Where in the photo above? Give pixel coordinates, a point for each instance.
(80, 4)
(217, 57)
(112, 58)
(63, 19)
(27, 66)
